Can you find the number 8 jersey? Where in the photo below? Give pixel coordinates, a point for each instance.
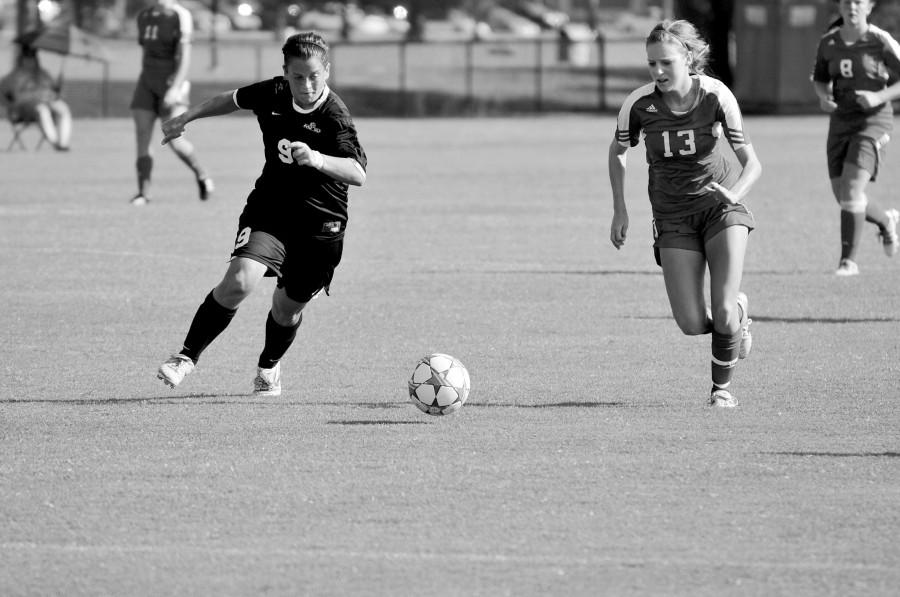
(684, 150)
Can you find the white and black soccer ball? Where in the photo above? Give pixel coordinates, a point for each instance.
(439, 384)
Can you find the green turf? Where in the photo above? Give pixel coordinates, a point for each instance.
(586, 461)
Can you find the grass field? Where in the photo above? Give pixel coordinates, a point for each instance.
(585, 462)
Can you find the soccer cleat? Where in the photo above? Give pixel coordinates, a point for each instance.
(174, 369)
(847, 267)
(140, 199)
(746, 336)
(722, 399)
(888, 236)
(206, 187)
(268, 381)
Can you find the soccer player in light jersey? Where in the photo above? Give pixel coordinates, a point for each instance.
(696, 192)
(854, 62)
(293, 223)
(164, 32)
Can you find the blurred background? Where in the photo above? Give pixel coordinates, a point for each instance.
(443, 57)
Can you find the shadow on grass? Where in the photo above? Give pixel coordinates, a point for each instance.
(837, 320)
(575, 272)
(362, 422)
(840, 454)
(567, 404)
(199, 398)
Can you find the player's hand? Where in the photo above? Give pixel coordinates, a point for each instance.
(173, 128)
(618, 230)
(722, 194)
(827, 104)
(305, 155)
(868, 99)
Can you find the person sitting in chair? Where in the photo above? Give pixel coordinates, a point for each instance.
(32, 95)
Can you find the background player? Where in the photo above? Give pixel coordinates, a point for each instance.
(164, 32)
(853, 64)
(294, 221)
(695, 192)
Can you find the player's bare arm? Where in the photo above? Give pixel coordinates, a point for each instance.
(214, 106)
(344, 169)
(619, 227)
(182, 62)
(873, 99)
(826, 99)
(750, 173)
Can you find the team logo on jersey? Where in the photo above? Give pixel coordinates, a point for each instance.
(651, 108)
(312, 127)
(331, 227)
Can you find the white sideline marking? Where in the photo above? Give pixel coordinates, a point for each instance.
(442, 556)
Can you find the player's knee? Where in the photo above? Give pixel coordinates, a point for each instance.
(726, 319)
(692, 326)
(286, 312)
(234, 289)
(853, 202)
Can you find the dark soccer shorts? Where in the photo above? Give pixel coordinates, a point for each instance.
(693, 231)
(150, 91)
(304, 266)
(862, 151)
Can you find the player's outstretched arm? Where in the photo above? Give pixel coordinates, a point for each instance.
(344, 169)
(619, 227)
(214, 106)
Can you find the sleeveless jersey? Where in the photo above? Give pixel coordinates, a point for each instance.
(288, 198)
(160, 31)
(684, 151)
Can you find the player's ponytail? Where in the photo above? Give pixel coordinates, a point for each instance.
(684, 33)
(305, 45)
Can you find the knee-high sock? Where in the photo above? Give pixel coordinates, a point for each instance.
(210, 320)
(144, 167)
(725, 349)
(278, 339)
(851, 233)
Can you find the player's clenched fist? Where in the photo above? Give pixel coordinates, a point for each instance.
(304, 155)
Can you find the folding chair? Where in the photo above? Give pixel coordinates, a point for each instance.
(19, 125)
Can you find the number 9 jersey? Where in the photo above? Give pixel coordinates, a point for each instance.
(685, 151)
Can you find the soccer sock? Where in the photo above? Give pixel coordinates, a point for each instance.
(210, 320)
(851, 233)
(725, 349)
(144, 166)
(278, 339)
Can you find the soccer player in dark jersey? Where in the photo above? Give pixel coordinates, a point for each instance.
(164, 32)
(854, 63)
(294, 220)
(696, 192)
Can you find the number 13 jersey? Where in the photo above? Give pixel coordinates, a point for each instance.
(685, 151)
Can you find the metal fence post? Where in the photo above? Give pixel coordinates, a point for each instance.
(538, 75)
(402, 77)
(470, 74)
(601, 70)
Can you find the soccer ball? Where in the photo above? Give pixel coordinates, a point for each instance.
(439, 384)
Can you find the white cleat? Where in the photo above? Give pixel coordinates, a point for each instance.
(172, 372)
(139, 200)
(722, 399)
(888, 236)
(847, 267)
(268, 381)
(746, 336)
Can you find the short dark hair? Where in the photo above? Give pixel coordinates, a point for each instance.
(305, 44)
